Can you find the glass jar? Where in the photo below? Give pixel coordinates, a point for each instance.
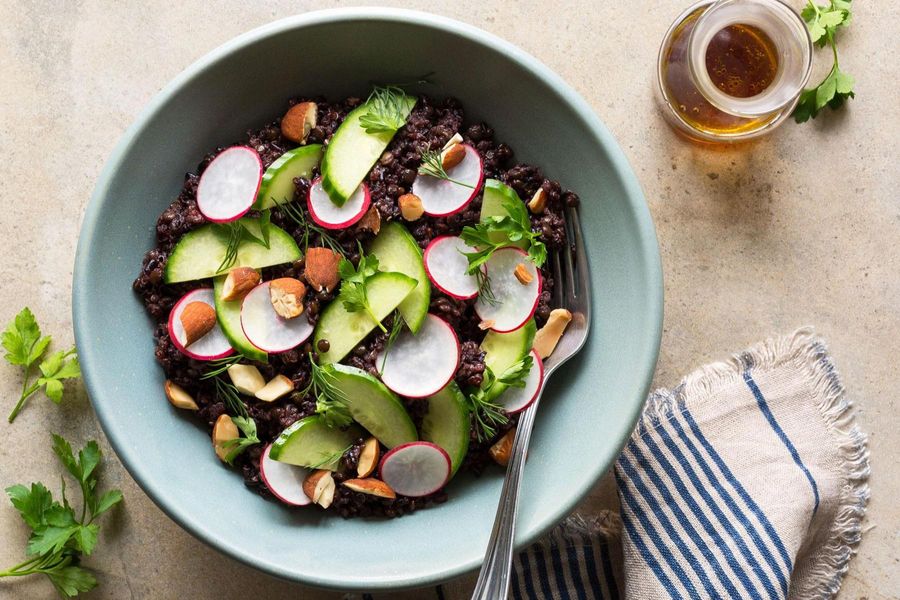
(731, 70)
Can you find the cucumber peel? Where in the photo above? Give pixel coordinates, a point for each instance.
(311, 443)
(277, 185)
(397, 251)
(447, 424)
(228, 314)
(503, 350)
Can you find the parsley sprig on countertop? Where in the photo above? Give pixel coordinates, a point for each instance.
(25, 346)
(823, 23)
(60, 533)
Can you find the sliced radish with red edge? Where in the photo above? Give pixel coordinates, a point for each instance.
(517, 399)
(283, 480)
(331, 216)
(265, 329)
(228, 186)
(512, 303)
(441, 197)
(415, 469)
(422, 364)
(446, 266)
(211, 346)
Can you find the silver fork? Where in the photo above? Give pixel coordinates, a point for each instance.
(571, 291)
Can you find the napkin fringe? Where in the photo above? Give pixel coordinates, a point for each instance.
(805, 350)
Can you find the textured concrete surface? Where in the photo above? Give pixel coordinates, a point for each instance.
(801, 228)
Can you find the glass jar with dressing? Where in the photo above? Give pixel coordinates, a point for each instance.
(730, 70)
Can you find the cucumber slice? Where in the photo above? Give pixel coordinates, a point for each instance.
(352, 152)
(311, 443)
(397, 251)
(492, 206)
(344, 329)
(229, 315)
(199, 253)
(447, 424)
(503, 350)
(374, 406)
(277, 185)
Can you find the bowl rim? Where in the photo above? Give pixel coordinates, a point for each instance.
(635, 201)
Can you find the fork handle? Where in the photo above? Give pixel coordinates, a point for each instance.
(493, 579)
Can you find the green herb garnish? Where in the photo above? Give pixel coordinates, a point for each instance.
(297, 215)
(486, 413)
(24, 347)
(236, 233)
(515, 226)
(386, 111)
(823, 23)
(330, 459)
(396, 328)
(59, 538)
(353, 285)
(433, 166)
(220, 365)
(331, 402)
(240, 417)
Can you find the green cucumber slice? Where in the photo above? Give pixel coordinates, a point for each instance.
(199, 253)
(503, 350)
(311, 443)
(374, 406)
(352, 152)
(344, 329)
(447, 424)
(277, 185)
(229, 315)
(397, 251)
(492, 206)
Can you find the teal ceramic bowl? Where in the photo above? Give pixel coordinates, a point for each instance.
(589, 407)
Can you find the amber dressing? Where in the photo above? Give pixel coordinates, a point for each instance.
(741, 60)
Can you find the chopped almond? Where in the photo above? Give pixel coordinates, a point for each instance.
(371, 486)
(371, 221)
(502, 448)
(299, 120)
(368, 458)
(322, 269)
(178, 397)
(224, 430)
(246, 378)
(456, 139)
(411, 207)
(452, 156)
(277, 387)
(523, 275)
(538, 202)
(286, 295)
(319, 487)
(198, 319)
(547, 337)
(486, 324)
(239, 282)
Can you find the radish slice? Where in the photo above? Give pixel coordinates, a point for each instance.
(331, 216)
(513, 303)
(229, 185)
(440, 197)
(446, 266)
(265, 329)
(283, 480)
(211, 346)
(422, 364)
(415, 469)
(517, 399)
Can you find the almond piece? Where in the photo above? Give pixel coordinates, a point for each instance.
(198, 319)
(456, 139)
(371, 221)
(246, 378)
(522, 274)
(298, 121)
(223, 431)
(452, 156)
(319, 487)
(178, 397)
(372, 487)
(547, 337)
(286, 294)
(368, 458)
(239, 282)
(277, 387)
(322, 269)
(502, 448)
(538, 202)
(410, 207)
(486, 324)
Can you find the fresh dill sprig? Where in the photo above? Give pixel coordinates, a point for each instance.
(240, 417)
(396, 328)
(236, 233)
(433, 166)
(487, 414)
(485, 291)
(331, 402)
(330, 459)
(387, 110)
(220, 365)
(297, 215)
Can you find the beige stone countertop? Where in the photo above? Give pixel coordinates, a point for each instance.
(802, 228)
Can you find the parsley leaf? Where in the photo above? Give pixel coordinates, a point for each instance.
(353, 286)
(487, 414)
(237, 446)
(24, 346)
(498, 232)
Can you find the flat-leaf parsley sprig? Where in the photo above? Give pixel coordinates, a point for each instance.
(353, 285)
(487, 415)
(241, 418)
(515, 226)
(25, 346)
(60, 533)
(823, 23)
